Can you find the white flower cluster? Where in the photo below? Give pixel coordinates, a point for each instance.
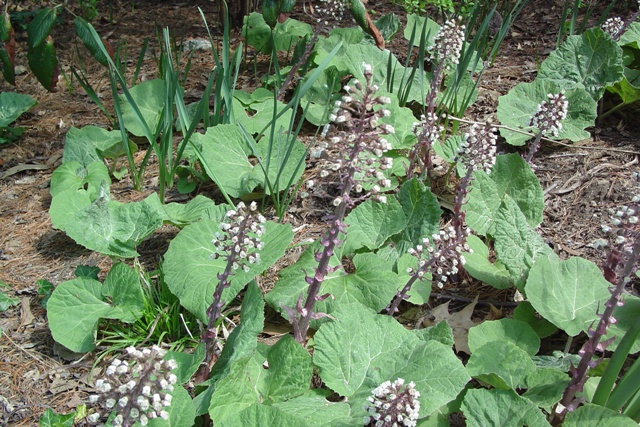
(624, 221)
(428, 130)
(330, 10)
(478, 149)
(441, 256)
(360, 146)
(240, 236)
(549, 114)
(137, 389)
(393, 404)
(613, 26)
(448, 42)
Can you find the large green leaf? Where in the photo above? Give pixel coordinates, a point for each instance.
(422, 212)
(109, 227)
(545, 387)
(263, 415)
(372, 283)
(283, 161)
(501, 363)
(629, 87)
(504, 408)
(44, 63)
(122, 286)
(589, 415)
(591, 61)
(372, 223)
(417, 22)
(76, 306)
(290, 370)
(67, 204)
(225, 156)
(40, 27)
(478, 265)
(73, 175)
(85, 144)
(258, 115)
(181, 411)
(517, 245)
(190, 272)
(315, 410)
(515, 331)
(149, 97)
(360, 350)
(180, 214)
(567, 293)
(631, 37)
(12, 105)
(285, 35)
(240, 389)
(526, 313)
(512, 178)
(516, 108)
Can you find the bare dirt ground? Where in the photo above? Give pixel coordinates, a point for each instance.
(581, 181)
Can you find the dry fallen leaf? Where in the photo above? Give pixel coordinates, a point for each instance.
(459, 322)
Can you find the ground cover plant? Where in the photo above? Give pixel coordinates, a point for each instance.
(417, 197)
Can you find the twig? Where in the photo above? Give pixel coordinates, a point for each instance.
(483, 302)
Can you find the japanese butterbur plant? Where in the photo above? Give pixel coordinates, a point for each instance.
(548, 119)
(356, 153)
(445, 54)
(239, 243)
(441, 255)
(393, 404)
(621, 262)
(136, 388)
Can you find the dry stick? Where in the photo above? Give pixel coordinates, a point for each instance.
(482, 302)
(587, 147)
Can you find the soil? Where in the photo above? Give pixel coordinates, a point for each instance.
(581, 180)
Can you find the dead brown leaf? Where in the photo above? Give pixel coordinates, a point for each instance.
(459, 322)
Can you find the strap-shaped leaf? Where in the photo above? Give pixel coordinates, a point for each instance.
(39, 29)
(83, 32)
(8, 50)
(44, 63)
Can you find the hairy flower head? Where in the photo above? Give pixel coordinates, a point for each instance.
(478, 149)
(549, 114)
(448, 42)
(441, 256)
(393, 404)
(240, 235)
(357, 145)
(137, 387)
